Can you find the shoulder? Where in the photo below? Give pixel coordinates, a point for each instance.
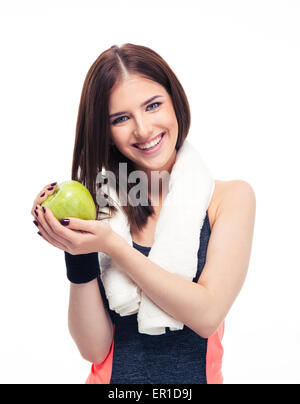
(228, 195)
(237, 194)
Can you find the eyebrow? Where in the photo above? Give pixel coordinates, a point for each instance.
(143, 104)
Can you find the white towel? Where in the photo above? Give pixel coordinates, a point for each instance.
(176, 241)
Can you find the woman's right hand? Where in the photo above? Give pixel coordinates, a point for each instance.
(37, 213)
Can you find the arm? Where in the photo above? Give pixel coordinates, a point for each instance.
(201, 306)
(89, 322)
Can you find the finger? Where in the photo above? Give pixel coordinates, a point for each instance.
(53, 228)
(43, 195)
(56, 229)
(53, 242)
(85, 226)
(39, 221)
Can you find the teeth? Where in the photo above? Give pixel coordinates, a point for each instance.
(150, 144)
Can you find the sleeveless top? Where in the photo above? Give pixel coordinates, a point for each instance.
(176, 357)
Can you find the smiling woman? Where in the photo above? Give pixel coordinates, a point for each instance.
(154, 310)
(148, 136)
(128, 122)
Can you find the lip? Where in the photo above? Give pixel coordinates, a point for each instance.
(156, 148)
(140, 144)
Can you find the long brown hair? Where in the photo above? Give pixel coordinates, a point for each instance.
(93, 147)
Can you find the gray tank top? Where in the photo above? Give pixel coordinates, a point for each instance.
(176, 357)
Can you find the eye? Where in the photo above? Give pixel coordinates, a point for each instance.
(118, 120)
(156, 103)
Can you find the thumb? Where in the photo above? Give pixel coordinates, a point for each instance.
(78, 224)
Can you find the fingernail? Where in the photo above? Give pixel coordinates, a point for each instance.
(43, 194)
(54, 183)
(36, 213)
(65, 222)
(44, 210)
(39, 233)
(36, 223)
(50, 189)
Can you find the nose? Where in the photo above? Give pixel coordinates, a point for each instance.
(142, 131)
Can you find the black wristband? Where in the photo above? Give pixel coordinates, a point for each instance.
(82, 268)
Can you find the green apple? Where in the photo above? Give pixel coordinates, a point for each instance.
(71, 199)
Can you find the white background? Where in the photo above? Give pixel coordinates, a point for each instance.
(239, 63)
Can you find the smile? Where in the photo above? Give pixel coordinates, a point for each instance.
(151, 144)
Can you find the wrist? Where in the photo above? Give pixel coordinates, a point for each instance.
(113, 243)
(82, 268)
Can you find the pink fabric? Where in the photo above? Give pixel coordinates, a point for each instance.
(214, 357)
(101, 373)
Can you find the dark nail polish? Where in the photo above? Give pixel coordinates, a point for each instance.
(36, 223)
(50, 189)
(43, 194)
(36, 213)
(54, 183)
(39, 233)
(44, 210)
(65, 222)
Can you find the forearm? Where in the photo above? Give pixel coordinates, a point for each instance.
(186, 301)
(89, 322)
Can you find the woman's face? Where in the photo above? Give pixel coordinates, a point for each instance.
(141, 122)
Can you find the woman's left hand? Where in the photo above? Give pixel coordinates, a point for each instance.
(76, 236)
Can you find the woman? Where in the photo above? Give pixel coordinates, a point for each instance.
(133, 110)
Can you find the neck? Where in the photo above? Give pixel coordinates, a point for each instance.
(161, 177)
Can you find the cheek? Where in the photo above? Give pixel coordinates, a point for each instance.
(169, 119)
(120, 137)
